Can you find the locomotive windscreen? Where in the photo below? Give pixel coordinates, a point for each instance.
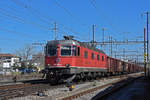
(65, 50)
(51, 50)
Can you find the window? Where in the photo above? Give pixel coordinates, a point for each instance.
(102, 58)
(65, 51)
(92, 55)
(51, 50)
(97, 57)
(78, 51)
(85, 54)
(74, 50)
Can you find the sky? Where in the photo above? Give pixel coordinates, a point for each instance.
(25, 22)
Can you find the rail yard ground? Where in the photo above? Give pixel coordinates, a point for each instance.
(138, 90)
(82, 91)
(9, 79)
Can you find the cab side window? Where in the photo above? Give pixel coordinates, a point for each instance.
(74, 51)
(102, 58)
(78, 51)
(85, 54)
(92, 55)
(97, 57)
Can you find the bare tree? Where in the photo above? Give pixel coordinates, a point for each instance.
(25, 53)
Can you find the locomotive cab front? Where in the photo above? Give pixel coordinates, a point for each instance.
(60, 56)
(51, 55)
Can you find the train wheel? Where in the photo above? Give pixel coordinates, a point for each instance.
(77, 78)
(89, 76)
(97, 75)
(94, 76)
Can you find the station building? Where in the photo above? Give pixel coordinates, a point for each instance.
(7, 61)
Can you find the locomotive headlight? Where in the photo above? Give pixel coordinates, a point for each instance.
(67, 65)
(48, 65)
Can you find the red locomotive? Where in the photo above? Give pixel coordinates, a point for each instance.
(67, 58)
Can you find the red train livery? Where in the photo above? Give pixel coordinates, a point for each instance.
(69, 57)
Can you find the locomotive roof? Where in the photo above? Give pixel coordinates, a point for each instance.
(74, 42)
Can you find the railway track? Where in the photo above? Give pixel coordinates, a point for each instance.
(23, 89)
(104, 94)
(32, 88)
(111, 87)
(19, 78)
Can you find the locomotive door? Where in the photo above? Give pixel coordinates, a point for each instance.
(78, 60)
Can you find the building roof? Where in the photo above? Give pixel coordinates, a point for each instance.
(7, 55)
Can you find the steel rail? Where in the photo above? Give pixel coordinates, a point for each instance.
(115, 87)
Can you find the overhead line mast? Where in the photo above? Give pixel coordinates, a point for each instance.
(55, 29)
(148, 44)
(93, 34)
(147, 54)
(144, 52)
(103, 29)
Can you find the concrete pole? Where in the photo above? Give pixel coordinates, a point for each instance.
(148, 69)
(93, 34)
(144, 53)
